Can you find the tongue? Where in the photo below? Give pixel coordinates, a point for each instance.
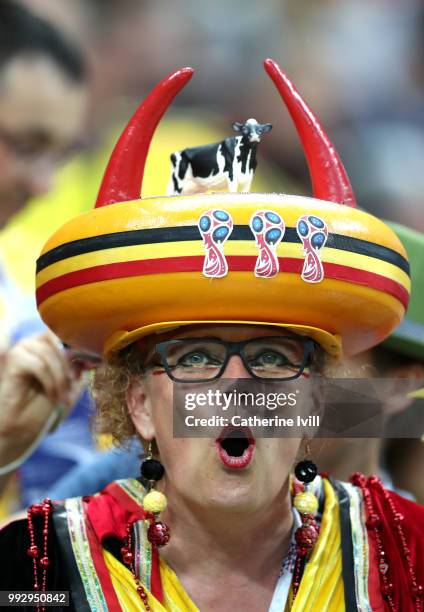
(234, 447)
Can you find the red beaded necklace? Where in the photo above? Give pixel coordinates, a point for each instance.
(375, 524)
(128, 558)
(39, 562)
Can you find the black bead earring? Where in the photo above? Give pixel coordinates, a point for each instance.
(305, 471)
(151, 469)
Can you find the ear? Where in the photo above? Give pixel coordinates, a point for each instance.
(267, 127)
(140, 409)
(237, 126)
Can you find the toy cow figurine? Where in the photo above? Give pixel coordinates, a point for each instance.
(227, 164)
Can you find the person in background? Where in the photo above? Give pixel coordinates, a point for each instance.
(117, 37)
(404, 461)
(43, 108)
(399, 358)
(403, 458)
(43, 104)
(39, 385)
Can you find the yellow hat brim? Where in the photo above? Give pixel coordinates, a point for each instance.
(120, 339)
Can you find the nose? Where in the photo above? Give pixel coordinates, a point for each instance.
(235, 368)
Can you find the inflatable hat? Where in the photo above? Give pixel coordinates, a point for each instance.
(134, 266)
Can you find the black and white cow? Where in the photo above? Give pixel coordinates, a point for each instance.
(227, 164)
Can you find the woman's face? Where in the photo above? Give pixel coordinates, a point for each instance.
(42, 116)
(197, 469)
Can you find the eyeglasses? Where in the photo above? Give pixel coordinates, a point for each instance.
(35, 147)
(204, 359)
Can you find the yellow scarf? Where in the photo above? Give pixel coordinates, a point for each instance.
(176, 599)
(321, 587)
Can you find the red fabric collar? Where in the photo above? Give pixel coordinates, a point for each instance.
(111, 511)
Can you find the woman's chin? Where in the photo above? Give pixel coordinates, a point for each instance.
(241, 502)
(235, 493)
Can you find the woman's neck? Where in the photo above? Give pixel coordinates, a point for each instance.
(342, 457)
(234, 548)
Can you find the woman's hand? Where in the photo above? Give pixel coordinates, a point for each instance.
(37, 381)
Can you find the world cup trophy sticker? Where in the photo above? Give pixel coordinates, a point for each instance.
(215, 227)
(313, 233)
(268, 228)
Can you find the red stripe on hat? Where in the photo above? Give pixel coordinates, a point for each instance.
(236, 263)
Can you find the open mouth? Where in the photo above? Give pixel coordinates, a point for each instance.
(235, 447)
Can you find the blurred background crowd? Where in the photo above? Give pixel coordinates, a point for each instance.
(72, 72)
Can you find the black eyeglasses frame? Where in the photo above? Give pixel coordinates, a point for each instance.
(236, 348)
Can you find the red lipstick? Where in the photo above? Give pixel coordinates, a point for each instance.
(235, 447)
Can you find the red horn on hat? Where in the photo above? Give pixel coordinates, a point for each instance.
(328, 175)
(123, 178)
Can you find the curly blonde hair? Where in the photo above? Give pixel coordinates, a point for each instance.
(109, 387)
